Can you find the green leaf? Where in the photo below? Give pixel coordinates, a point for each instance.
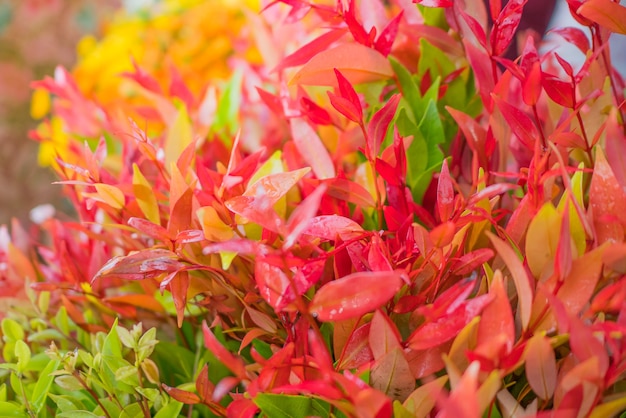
(8, 409)
(262, 348)
(132, 411)
(228, 108)
(434, 60)
(290, 406)
(125, 337)
(22, 352)
(66, 403)
(42, 387)
(11, 330)
(127, 374)
(172, 409)
(146, 344)
(62, 321)
(408, 87)
(400, 411)
(68, 382)
(77, 414)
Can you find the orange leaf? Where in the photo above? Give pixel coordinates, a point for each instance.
(519, 275)
(145, 196)
(354, 295)
(110, 195)
(540, 366)
(358, 63)
(384, 336)
(606, 13)
(497, 317)
(608, 202)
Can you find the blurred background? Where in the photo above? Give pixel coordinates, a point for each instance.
(35, 36)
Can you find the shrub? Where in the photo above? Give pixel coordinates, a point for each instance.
(387, 217)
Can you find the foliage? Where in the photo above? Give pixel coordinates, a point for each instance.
(387, 217)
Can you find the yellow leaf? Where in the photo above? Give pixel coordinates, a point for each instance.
(40, 104)
(179, 136)
(145, 196)
(424, 398)
(609, 409)
(111, 195)
(214, 228)
(542, 240)
(227, 258)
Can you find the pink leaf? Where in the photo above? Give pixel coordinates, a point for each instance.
(377, 127)
(574, 36)
(354, 295)
(445, 194)
(330, 227)
(506, 25)
(303, 213)
(312, 149)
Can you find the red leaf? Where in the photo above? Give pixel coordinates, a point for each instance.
(233, 363)
(203, 385)
(152, 230)
(257, 210)
(471, 261)
(354, 295)
(532, 85)
(318, 115)
(356, 28)
(616, 147)
(347, 92)
(445, 194)
(388, 35)
(308, 51)
(141, 265)
(377, 127)
(506, 25)
(345, 107)
(356, 351)
(606, 13)
(446, 327)
(179, 285)
(480, 62)
(521, 124)
(574, 36)
(560, 91)
(184, 396)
